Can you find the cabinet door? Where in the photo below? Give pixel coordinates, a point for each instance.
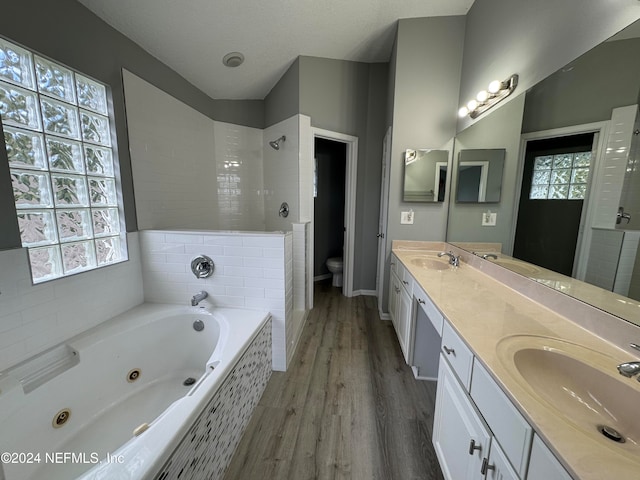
(460, 438)
(394, 293)
(543, 465)
(404, 323)
(497, 467)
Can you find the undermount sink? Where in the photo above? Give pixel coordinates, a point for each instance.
(579, 385)
(428, 262)
(517, 266)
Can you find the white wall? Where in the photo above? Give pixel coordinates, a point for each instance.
(34, 318)
(188, 170)
(533, 38)
(281, 174)
(252, 270)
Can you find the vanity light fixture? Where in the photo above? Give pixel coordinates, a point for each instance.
(495, 92)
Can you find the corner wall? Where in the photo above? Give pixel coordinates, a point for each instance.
(428, 59)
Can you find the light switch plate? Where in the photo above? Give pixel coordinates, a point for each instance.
(489, 219)
(406, 218)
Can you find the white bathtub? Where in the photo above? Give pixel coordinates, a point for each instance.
(105, 407)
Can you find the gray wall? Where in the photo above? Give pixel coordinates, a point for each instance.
(350, 98)
(283, 101)
(428, 59)
(602, 79)
(500, 129)
(69, 33)
(534, 38)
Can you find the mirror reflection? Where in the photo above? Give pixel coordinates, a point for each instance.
(480, 175)
(576, 164)
(425, 175)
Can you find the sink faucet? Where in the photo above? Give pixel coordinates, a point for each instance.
(490, 255)
(198, 297)
(453, 260)
(629, 369)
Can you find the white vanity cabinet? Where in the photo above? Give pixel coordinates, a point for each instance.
(543, 465)
(463, 443)
(477, 433)
(400, 287)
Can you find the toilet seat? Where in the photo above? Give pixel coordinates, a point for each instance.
(334, 262)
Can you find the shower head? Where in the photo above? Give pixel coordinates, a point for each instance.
(276, 143)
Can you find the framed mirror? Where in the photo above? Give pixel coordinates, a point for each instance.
(425, 175)
(479, 178)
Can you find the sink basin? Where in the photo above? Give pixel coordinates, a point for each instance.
(431, 263)
(517, 266)
(579, 385)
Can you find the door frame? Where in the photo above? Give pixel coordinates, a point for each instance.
(382, 221)
(351, 171)
(600, 131)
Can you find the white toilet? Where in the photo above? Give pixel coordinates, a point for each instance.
(334, 265)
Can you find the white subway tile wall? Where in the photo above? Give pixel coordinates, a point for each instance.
(603, 257)
(626, 262)
(611, 171)
(34, 318)
(252, 270)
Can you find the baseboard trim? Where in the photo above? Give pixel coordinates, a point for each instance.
(418, 377)
(366, 293)
(384, 316)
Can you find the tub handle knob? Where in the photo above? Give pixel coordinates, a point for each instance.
(202, 266)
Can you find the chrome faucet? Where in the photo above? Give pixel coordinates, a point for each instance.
(453, 260)
(198, 297)
(629, 369)
(490, 255)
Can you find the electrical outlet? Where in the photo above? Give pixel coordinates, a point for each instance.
(489, 219)
(406, 218)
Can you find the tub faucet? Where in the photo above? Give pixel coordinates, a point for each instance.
(453, 260)
(198, 297)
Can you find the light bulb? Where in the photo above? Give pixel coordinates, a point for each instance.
(463, 112)
(472, 105)
(482, 96)
(495, 86)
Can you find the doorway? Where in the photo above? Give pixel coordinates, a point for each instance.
(555, 183)
(351, 147)
(328, 205)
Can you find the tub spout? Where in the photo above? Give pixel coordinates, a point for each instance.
(198, 297)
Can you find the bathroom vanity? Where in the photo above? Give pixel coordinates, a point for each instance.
(523, 392)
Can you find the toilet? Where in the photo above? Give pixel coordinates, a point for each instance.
(334, 265)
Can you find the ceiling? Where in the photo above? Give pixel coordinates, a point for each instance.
(192, 36)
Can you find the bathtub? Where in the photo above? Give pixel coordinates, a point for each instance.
(71, 412)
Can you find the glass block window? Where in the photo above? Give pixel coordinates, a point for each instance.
(65, 178)
(560, 177)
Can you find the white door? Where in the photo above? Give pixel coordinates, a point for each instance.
(382, 224)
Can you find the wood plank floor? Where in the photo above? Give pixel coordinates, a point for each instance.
(347, 408)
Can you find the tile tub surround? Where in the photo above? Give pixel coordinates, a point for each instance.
(36, 317)
(208, 446)
(252, 270)
(483, 310)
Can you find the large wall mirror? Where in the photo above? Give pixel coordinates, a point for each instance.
(558, 159)
(425, 175)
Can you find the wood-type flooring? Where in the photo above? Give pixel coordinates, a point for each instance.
(347, 408)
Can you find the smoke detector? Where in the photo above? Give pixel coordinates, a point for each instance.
(233, 59)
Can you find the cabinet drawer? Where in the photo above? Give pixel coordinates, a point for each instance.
(458, 354)
(507, 424)
(433, 314)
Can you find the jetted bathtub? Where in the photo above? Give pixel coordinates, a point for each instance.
(115, 401)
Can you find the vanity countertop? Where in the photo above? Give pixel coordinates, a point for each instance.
(485, 312)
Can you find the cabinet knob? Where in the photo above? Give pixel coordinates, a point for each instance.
(486, 467)
(397, 290)
(392, 263)
(405, 282)
(421, 301)
(448, 351)
(473, 446)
